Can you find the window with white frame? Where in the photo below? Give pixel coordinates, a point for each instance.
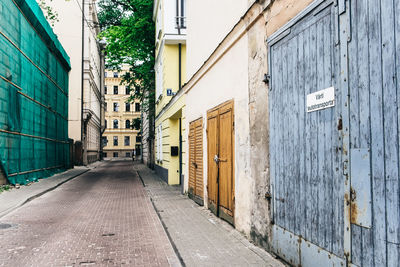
(159, 143)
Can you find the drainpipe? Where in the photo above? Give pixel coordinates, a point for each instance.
(177, 17)
(83, 137)
(180, 67)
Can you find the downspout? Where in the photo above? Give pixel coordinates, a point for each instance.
(82, 66)
(180, 67)
(177, 17)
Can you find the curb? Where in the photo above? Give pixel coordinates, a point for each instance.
(163, 224)
(4, 213)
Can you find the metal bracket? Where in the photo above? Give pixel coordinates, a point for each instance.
(342, 6)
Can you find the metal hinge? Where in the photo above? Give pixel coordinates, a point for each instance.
(342, 6)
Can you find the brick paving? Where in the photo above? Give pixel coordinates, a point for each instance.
(201, 238)
(101, 218)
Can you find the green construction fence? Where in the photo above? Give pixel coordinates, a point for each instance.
(33, 94)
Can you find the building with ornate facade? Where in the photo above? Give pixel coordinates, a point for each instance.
(120, 137)
(77, 29)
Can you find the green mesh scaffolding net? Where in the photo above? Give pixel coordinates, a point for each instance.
(33, 94)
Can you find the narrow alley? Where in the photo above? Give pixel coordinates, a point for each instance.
(105, 217)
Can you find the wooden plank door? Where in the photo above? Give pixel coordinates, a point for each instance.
(192, 162)
(226, 183)
(220, 158)
(212, 167)
(198, 149)
(196, 161)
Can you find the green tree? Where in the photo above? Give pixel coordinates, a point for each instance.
(128, 29)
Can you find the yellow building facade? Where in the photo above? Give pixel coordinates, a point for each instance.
(170, 68)
(120, 138)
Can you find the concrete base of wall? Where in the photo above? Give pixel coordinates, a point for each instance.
(162, 172)
(3, 179)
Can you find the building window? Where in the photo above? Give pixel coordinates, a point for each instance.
(105, 124)
(105, 74)
(127, 141)
(159, 143)
(104, 155)
(116, 107)
(115, 74)
(105, 106)
(115, 154)
(115, 124)
(115, 89)
(128, 154)
(127, 124)
(138, 139)
(127, 90)
(105, 141)
(115, 141)
(137, 107)
(127, 106)
(105, 90)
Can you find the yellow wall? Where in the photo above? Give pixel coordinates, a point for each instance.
(170, 59)
(170, 137)
(122, 115)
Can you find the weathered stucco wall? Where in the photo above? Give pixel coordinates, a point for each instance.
(215, 87)
(272, 15)
(235, 70)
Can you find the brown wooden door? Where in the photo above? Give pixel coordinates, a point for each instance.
(212, 169)
(196, 160)
(220, 136)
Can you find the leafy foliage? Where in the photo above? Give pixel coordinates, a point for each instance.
(50, 14)
(128, 29)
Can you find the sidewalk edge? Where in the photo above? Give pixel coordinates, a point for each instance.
(7, 211)
(163, 224)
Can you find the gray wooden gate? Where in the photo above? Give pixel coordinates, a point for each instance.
(335, 171)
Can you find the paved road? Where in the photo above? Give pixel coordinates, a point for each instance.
(101, 218)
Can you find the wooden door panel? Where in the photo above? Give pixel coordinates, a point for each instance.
(212, 149)
(198, 136)
(192, 171)
(225, 164)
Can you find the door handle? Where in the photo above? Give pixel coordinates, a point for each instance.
(216, 159)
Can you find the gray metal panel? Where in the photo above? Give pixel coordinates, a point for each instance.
(361, 188)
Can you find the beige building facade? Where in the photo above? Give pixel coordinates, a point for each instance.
(120, 137)
(77, 29)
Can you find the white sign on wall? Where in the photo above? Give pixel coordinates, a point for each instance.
(321, 99)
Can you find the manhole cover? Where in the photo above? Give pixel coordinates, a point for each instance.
(5, 225)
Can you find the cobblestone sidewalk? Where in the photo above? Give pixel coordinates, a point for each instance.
(200, 238)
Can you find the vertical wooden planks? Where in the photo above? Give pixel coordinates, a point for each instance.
(320, 183)
(314, 139)
(329, 128)
(278, 125)
(390, 132)
(356, 231)
(301, 174)
(291, 130)
(192, 153)
(198, 132)
(396, 8)
(307, 129)
(377, 139)
(364, 123)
